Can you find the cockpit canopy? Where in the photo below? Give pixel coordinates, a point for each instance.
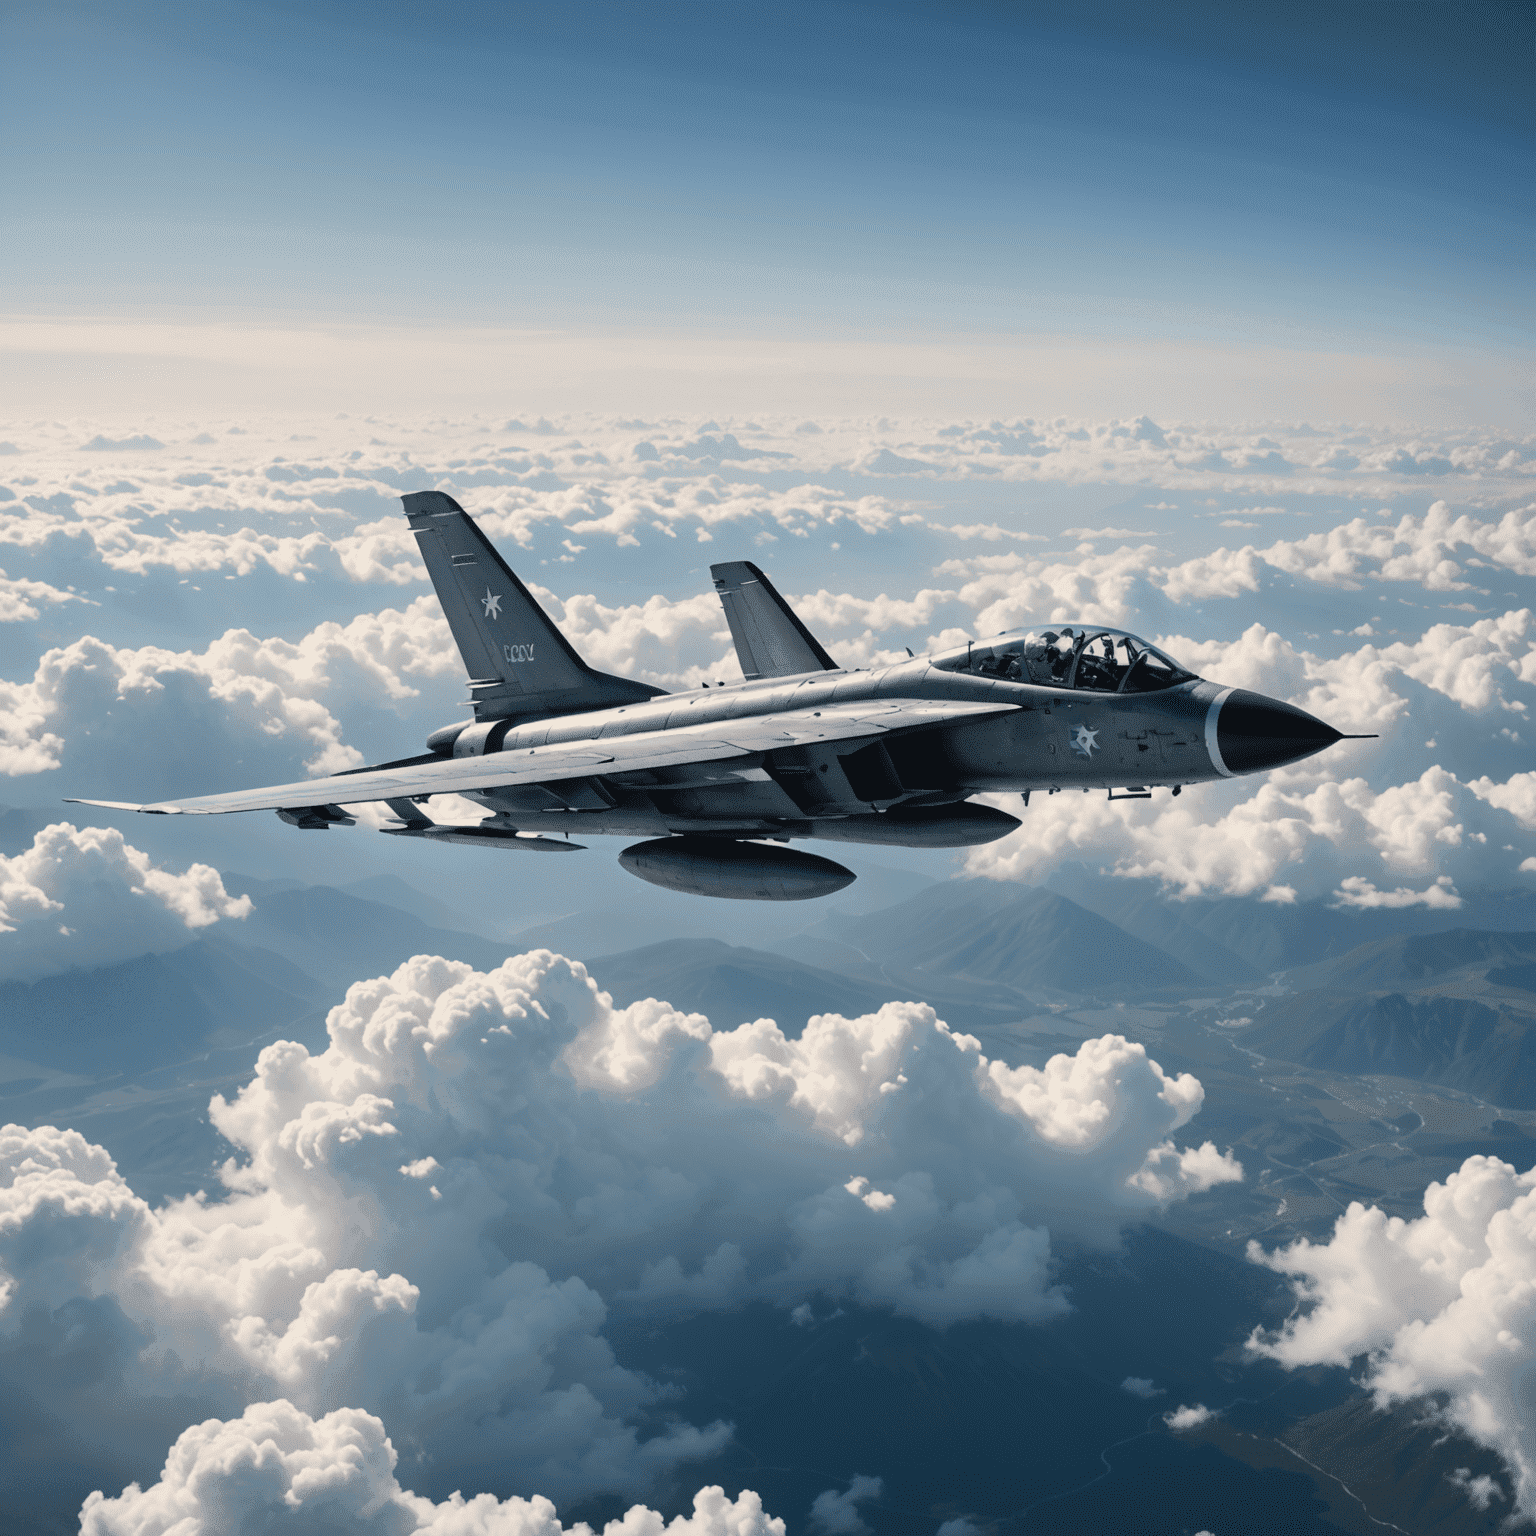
(1069, 656)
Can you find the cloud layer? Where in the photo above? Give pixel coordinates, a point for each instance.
(430, 1219)
(1420, 550)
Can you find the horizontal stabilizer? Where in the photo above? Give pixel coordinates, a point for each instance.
(769, 637)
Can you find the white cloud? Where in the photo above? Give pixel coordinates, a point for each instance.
(272, 1295)
(1445, 1303)
(1009, 590)
(1142, 1386)
(1481, 1491)
(1275, 839)
(837, 1512)
(106, 713)
(1188, 1416)
(399, 1206)
(673, 644)
(1222, 573)
(239, 507)
(111, 711)
(1517, 796)
(1013, 588)
(1415, 549)
(89, 898)
(1479, 666)
(1356, 891)
(19, 597)
(331, 509)
(276, 1466)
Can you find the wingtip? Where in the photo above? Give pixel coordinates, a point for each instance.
(126, 805)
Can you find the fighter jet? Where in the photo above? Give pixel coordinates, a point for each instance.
(717, 781)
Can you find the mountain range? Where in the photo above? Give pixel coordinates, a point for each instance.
(1455, 1008)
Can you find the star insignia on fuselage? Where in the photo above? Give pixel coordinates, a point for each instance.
(492, 604)
(1084, 740)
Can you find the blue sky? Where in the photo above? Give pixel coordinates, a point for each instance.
(1352, 174)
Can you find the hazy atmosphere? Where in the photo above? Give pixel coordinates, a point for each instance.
(1166, 1165)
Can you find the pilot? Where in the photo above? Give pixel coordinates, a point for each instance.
(1061, 655)
(1037, 654)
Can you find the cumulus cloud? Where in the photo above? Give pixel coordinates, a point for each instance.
(92, 703)
(1481, 1491)
(836, 1512)
(276, 1466)
(259, 706)
(1142, 1386)
(1443, 1304)
(90, 898)
(1188, 1416)
(138, 442)
(1517, 796)
(1270, 840)
(675, 644)
(1006, 591)
(337, 514)
(423, 1220)
(1420, 550)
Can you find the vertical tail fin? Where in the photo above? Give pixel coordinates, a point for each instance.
(518, 662)
(770, 639)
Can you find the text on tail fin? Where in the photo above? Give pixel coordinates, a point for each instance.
(517, 660)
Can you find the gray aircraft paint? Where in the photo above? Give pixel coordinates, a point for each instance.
(516, 658)
(769, 638)
(800, 749)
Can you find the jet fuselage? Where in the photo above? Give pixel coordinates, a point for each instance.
(1051, 739)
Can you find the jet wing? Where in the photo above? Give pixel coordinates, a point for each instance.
(709, 741)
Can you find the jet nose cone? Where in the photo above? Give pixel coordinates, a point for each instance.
(1254, 733)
